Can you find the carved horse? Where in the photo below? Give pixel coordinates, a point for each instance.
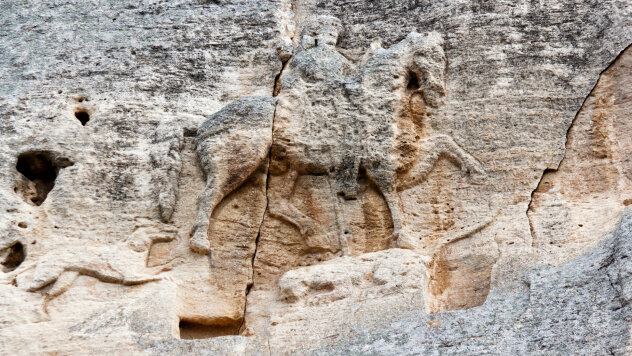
(329, 122)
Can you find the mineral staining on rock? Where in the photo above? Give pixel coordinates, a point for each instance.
(311, 177)
(580, 202)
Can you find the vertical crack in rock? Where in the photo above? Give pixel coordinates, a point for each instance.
(285, 58)
(254, 254)
(277, 80)
(549, 170)
(544, 173)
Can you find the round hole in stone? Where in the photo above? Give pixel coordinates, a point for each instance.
(14, 257)
(22, 225)
(82, 116)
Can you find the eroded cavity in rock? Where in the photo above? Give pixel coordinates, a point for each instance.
(38, 171)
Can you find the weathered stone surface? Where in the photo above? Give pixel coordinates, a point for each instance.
(315, 177)
(578, 203)
(581, 308)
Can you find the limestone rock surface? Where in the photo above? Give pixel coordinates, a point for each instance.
(315, 177)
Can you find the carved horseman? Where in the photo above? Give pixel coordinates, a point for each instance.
(329, 121)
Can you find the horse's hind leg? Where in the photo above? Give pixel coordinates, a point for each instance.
(385, 184)
(280, 206)
(227, 167)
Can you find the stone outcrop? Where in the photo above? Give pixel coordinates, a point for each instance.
(310, 177)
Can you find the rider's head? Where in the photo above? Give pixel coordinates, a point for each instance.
(321, 31)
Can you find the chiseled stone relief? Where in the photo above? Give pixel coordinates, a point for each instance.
(305, 177)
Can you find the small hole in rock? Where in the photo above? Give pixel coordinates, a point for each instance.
(82, 116)
(14, 257)
(22, 225)
(413, 81)
(188, 132)
(192, 330)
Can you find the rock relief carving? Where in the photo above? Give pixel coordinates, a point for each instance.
(231, 145)
(123, 263)
(167, 164)
(331, 120)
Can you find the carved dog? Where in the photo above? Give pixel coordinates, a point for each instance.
(124, 263)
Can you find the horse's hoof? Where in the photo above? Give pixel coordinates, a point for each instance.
(307, 231)
(200, 245)
(477, 177)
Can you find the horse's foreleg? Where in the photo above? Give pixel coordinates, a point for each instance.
(445, 145)
(433, 148)
(384, 182)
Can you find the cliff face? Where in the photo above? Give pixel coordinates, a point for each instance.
(311, 177)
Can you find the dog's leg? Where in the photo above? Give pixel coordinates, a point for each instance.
(62, 284)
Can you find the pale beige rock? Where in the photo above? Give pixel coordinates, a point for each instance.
(579, 203)
(283, 177)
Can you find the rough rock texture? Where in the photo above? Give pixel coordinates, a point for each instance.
(580, 201)
(315, 177)
(580, 307)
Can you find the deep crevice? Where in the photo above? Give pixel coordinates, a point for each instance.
(413, 81)
(277, 80)
(530, 206)
(82, 116)
(189, 132)
(276, 90)
(254, 254)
